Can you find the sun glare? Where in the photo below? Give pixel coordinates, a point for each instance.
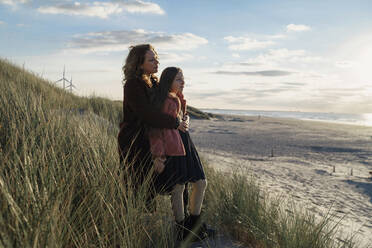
(367, 119)
(363, 61)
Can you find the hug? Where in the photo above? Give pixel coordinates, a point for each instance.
(154, 140)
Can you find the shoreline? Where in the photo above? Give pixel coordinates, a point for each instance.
(321, 166)
(255, 113)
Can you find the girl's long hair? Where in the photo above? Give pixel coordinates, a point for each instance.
(166, 79)
(136, 57)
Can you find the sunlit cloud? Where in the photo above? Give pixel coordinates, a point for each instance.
(13, 2)
(297, 28)
(266, 73)
(174, 57)
(247, 43)
(95, 9)
(344, 64)
(102, 9)
(235, 55)
(249, 64)
(286, 56)
(111, 41)
(276, 36)
(141, 7)
(2, 23)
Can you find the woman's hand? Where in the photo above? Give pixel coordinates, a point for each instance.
(159, 164)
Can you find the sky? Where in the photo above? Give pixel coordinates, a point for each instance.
(310, 56)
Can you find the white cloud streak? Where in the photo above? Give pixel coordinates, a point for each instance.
(285, 56)
(297, 28)
(141, 7)
(174, 57)
(13, 2)
(247, 43)
(102, 9)
(120, 41)
(266, 73)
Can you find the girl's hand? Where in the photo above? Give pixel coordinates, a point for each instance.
(186, 118)
(184, 125)
(159, 164)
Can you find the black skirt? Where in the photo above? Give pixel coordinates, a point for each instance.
(180, 169)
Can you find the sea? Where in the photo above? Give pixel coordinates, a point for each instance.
(354, 119)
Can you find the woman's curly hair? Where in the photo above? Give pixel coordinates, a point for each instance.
(136, 57)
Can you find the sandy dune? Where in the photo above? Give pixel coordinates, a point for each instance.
(318, 165)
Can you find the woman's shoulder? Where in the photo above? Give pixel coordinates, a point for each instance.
(134, 83)
(133, 80)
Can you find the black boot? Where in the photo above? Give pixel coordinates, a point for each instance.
(196, 229)
(181, 232)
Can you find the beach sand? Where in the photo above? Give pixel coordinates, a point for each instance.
(320, 166)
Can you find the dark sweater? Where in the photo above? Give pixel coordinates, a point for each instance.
(139, 112)
(137, 106)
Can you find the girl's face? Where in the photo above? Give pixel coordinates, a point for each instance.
(178, 83)
(150, 65)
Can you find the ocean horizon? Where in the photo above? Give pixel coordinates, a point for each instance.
(364, 119)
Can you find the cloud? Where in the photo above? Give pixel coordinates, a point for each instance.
(344, 64)
(1, 22)
(102, 9)
(294, 84)
(120, 41)
(246, 43)
(204, 94)
(13, 2)
(297, 28)
(95, 9)
(266, 73)
(285, 56)
(141, 7)
(249, 64)
(174, 57)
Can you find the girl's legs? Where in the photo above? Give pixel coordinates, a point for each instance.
(186, 199)
(177, 199)
(197, 196)
(194, 223)
(177, 202)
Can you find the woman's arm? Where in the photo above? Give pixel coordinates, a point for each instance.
(136, 98)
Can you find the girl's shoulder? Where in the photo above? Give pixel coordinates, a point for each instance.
(173, 98)
(172, 95)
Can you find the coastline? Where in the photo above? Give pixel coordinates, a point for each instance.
(361, 119)
(321, 166)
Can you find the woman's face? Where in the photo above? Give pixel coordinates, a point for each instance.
(150, 65)
(178, 83)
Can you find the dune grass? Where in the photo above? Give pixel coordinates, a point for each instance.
(61, 184)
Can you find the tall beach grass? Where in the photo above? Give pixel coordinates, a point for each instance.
(61, 184)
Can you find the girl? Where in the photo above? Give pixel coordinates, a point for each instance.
(175, 157)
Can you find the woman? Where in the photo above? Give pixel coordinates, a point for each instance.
(140, 85)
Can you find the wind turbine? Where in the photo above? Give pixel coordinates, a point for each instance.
(63, 78)
(70, 85)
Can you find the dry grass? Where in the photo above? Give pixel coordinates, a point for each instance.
(61, 184)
